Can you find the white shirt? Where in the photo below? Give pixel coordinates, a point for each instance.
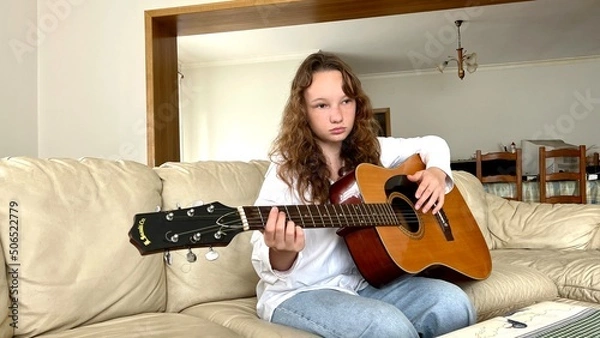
(325, 262)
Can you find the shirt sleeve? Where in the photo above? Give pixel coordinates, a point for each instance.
(273, 192)
(433, 151)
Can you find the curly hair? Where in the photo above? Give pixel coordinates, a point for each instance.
(301, 158)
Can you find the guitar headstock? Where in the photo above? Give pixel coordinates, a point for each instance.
(212, 224)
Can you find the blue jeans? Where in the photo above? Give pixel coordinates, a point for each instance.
(407, 307)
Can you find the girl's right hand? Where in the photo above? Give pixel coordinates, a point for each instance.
(284, 239)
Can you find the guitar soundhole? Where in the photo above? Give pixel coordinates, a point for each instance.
(405, 212)
(400, 192)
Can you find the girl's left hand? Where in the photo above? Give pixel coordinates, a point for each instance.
(432, 189)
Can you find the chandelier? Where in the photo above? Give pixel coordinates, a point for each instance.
(468, 61)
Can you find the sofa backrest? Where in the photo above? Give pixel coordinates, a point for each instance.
(69, 222)
(231, 275)
(509, 224)
(515, 224)
(472, 191)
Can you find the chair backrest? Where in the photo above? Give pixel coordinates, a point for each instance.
(578, 176)
(503, 174)
(594, 160)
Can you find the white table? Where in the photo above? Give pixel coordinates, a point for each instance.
(531, 190)
(541, 317)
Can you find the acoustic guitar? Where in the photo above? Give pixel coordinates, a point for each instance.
(373, 207)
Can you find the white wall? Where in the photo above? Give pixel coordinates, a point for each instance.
(92, 81)
(18, 84)
(233, 112)
(497, 104)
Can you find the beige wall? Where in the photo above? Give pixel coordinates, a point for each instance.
(18, 85)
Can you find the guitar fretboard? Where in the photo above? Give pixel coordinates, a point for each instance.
(324, 216)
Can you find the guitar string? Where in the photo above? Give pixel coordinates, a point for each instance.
(327, 220)
(331, 223)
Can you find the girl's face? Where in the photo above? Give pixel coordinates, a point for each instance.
(330, 112)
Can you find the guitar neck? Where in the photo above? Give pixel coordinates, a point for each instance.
(323, 216)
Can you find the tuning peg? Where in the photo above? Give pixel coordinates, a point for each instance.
(191, 257)
(211, 255)
(157, 208)
(219, 234)
(174, 238)
(168, 258)
(196, 237)
(197, 203)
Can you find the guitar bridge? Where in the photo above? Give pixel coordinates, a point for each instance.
(444, 224)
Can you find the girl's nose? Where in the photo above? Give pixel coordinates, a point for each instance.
(336, 115)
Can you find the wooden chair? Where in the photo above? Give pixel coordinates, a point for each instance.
(579, 176)
(594, 160)
(504, 175)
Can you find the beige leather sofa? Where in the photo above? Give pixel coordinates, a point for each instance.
(72, 272)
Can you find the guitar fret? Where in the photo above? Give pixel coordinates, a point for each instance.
(337, 216)
(361, 221)
(301, 219)
(393, 216)
(318, 208)
(366, 219)
(329, 215)
(347, 215)
(260, 214)
(311, 216)
(346, 223)
(384, 211)
(380, 214)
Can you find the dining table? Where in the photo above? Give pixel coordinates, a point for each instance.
(531, 189)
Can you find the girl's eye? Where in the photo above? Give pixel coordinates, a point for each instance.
(346, 101)
(321, 105)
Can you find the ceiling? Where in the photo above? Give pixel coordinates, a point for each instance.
(499, 34)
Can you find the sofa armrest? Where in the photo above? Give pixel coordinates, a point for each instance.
(515, 224)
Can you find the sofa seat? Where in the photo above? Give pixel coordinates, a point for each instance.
(509, 287)
(239, 315)
(576, 273)
(149, 325)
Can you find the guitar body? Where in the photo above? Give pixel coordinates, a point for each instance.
(450, 247)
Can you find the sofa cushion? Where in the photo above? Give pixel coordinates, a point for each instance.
(472, 191)
(575, 272)
(76, 264)
(150, 325)
(551, 226)
(509, 287)
(239, 315)
(231, 275)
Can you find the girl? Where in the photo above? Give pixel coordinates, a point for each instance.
(308, 279)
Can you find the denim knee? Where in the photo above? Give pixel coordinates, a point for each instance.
(387, 321)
